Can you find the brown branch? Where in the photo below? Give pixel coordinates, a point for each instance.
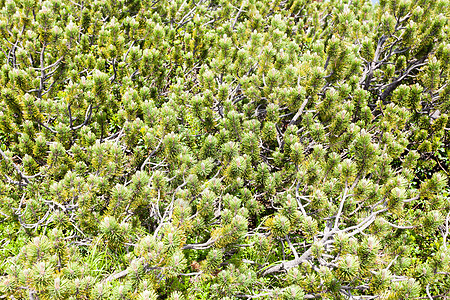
(205, 245)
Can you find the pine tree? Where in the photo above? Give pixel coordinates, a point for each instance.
(224, 149)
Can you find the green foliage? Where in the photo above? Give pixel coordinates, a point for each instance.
(198, 149)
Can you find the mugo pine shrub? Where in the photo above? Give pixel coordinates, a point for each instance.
(224, 149)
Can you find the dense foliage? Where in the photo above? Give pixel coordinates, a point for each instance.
(223, 149)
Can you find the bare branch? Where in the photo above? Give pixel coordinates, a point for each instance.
(86, 118)
(299, 112)
(151, 154)
(24, 177)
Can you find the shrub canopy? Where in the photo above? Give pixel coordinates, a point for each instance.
(223, 149)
